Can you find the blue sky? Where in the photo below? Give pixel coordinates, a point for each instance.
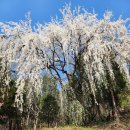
(42, 10)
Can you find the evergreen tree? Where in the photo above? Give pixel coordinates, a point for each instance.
(50, 110)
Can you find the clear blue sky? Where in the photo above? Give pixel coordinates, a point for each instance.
(42, 10)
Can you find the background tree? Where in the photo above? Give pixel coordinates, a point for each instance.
(13, 116)
(50, 110)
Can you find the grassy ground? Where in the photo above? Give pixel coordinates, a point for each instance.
(125, 125)
(69, 128)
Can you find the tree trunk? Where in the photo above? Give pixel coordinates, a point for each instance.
(48, 122)
(35, 123)
(28, 117)
(10, 124)
(116, 114)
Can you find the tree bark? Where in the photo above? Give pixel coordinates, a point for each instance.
(116, 113)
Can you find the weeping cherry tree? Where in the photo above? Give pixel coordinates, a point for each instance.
(60, 45)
